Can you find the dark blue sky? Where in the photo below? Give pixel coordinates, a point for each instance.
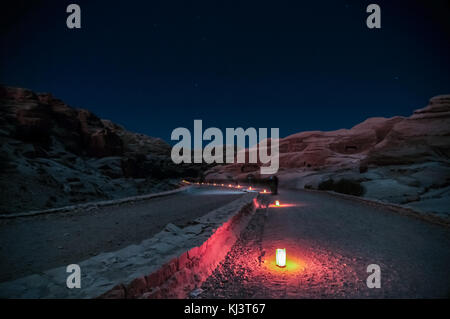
(153, 66)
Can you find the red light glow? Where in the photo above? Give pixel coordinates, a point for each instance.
(311, 270)
(255, 203)
(293, 265)
(277, 204)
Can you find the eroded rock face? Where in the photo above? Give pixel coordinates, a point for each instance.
(424, 136)
(53, 155)
(379, 153)
(438, 107)
(380, 141)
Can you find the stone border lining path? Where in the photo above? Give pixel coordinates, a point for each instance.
(188, 270)
(401, 209)
(95, 204)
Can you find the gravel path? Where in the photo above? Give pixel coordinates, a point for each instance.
(34, 244)
(330, 241)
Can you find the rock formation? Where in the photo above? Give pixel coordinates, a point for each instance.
(398, 160)
(53, 155)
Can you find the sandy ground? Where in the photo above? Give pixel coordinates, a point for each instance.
(330, 241)
(34, 244)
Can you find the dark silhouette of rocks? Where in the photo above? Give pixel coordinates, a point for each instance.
(54, 155)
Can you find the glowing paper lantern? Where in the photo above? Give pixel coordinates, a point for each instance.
(264, 191)
(277, 203)
(281, 257)
(250, 188)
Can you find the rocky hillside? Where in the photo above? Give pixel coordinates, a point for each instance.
(53, 155)
(397, 160)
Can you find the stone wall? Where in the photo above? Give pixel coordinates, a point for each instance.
(187, 271)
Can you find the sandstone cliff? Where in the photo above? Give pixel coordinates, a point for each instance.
(398, 160)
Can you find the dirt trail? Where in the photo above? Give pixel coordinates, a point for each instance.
(330, 241)
(33, 244)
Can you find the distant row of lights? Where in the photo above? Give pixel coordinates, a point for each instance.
(277, 202)
(223, 185)
(280, 257)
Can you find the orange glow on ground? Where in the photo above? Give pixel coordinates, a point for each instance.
(282, 205)
(312, 270)
(294, 264)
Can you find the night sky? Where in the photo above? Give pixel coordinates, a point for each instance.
(153, 66)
